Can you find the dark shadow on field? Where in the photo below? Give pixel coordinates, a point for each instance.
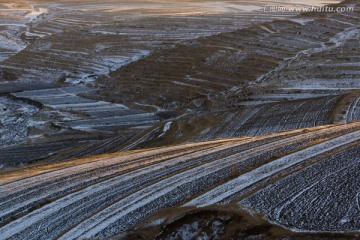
(217, 222)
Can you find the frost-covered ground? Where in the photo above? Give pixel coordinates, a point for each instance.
(85, 78)
(115, 32)
(15, 118)
(177, 60)
(59, 123)
(99, 37)
(304, 59)
(287, 176)
(15, 22)
(75, 43)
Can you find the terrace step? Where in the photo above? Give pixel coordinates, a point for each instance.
(85, 195)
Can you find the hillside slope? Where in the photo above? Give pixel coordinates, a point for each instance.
(304, 179)
(205, 76)
(295, 55)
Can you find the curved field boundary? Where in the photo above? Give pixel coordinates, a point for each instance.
(102, 198)
(320, 197)
(226, 190)
(353, 113)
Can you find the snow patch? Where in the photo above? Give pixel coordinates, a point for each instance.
(165, 129)
(36, 13)
(301, 21)
(9, 42)
(14, 122)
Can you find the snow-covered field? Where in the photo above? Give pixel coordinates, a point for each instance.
(82, 78)
(75, 43)
(163, 68)
(98, 198)
(16, 20)
(250, 66)
(353, 113)
(274, 117)
(99, 37)
(15, 118)
(62, 119)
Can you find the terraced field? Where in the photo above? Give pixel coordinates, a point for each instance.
(309, 71)
(50, 52)
(295, 55)
(273, 174)
(353, 112)
(58, 123)
(19, 14)
(94, 114)
(276, 117)
(99, 37)
(191, 104)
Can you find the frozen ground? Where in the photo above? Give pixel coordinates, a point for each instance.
(59, 123)
(116, 30)
(99, 37)
(67, 43)
(15, 20)
(156, 57)
(15, 118)
(250, 66)
(100, 197)
(83, 78)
